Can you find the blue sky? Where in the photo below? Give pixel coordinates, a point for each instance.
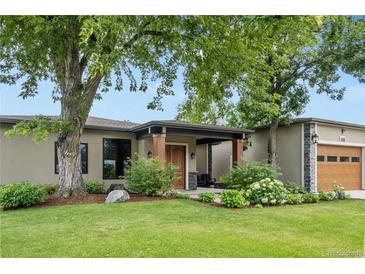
(132, 106)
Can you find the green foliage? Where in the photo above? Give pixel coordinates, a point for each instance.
(50, 189)
(39, 127)
(23, 194)
(232, 198)
(206, 197)
(266, 192)
(325, 196)
(294, 199)
(241, 176)
(295, 188)
(339, 192)
(292, 55)
(148, 177)
(94, 187)
(310, 198)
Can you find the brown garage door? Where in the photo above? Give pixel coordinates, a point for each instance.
(340, 165)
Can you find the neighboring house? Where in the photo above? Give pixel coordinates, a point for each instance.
(106, 144)
(314, 152)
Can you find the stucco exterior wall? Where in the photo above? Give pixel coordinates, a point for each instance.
(332, 133)
(289, 151)
(21, 159)
(221, 159)
(201, 158)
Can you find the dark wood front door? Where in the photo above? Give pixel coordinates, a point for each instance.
(176, 154)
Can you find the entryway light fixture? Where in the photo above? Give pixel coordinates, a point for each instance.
(315, 138)
(192, 156)
(149, 154)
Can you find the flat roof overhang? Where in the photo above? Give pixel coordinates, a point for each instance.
(204, 133)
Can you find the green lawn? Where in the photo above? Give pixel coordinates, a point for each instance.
(183, 228)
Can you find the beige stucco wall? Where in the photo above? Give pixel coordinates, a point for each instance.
(21, 159)
(221, 159)
(332, 133)
(201, 158)
(289, 151)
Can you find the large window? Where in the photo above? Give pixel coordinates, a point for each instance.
(115, 156)
(84, 158)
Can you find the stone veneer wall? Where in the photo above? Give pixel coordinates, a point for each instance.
(309, 158)
(193, 181)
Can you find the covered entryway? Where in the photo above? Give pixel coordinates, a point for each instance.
(176, 154)
(338, 165)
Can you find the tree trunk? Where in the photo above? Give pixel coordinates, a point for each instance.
(70, 174)
(273, 154)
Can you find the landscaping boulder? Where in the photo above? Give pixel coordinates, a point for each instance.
(115, 187)
(117, 196)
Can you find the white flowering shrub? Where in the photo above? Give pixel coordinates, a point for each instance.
(266, 192)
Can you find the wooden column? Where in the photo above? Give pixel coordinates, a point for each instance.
(159, 146)
(237, 151)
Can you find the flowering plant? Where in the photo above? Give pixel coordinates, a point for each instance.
(266, 192)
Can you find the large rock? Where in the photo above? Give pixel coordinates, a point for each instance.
(117, 196)
(115, 187)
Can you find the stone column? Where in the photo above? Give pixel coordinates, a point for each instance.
(309, 158)
(237, 151)
(159, 146)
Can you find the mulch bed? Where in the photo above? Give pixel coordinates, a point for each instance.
(94, 199)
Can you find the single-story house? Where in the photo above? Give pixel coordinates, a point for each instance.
(314, 152)
(106, 144)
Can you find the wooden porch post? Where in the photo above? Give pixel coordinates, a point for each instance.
(159, 147)
(237, 151)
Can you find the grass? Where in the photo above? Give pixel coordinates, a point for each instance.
(183, 228)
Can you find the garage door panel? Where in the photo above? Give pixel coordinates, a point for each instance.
(347, 174)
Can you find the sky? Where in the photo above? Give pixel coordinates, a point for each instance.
(131, 106)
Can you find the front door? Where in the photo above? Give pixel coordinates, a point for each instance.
(176, 154)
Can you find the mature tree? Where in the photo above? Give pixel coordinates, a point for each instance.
(81, 55)
(294, 54)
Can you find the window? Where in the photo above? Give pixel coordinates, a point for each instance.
(320, 158)
(331, 158)
(344, 159)
(355, 159)
(115, 155)
(84, 158)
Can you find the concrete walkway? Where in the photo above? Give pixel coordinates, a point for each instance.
(194, 193)
(356, 194)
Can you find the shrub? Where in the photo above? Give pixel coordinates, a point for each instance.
(50, 189)
(232, 198)
(94, 187)
(266, 192)
(23, 194)
(148, 177)
(294, 199)
(325, 196)
(206, 197)
(241, 176)
(295, 188)
(339, 192)
(310, 198)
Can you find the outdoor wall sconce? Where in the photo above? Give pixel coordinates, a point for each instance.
(315, 138)
(192, 156)
(149, 154)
